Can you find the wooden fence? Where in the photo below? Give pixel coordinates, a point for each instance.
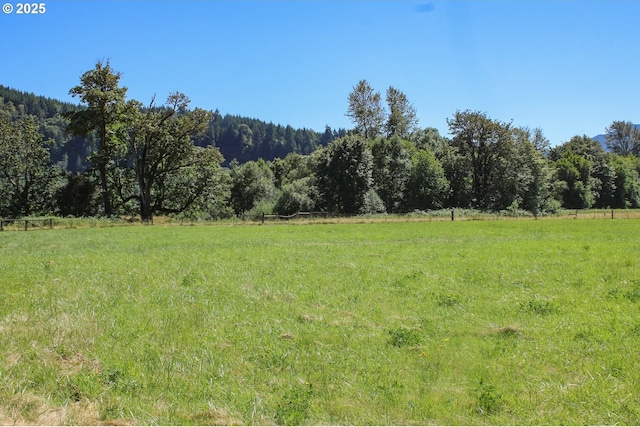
(34, 223)
(296, 215)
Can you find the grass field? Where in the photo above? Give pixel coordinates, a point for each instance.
(475, 322)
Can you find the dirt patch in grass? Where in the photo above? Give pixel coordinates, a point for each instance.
(507, 331)
(215, 417)
(70, 364)
(29, 409)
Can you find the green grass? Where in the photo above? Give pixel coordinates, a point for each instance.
(476, 322)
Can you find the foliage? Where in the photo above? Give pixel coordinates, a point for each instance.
(78, 197)
(245, 139)
(484, 144)
(100, 121)
(626, 189)
(250, 183)
(623, 138)
(343, 172)
(573, 177)
(427, 187)
(170, 171)
(297, 196)
(167, 160)
(391, 170)
(372, 204)
(402, 121)
(27, 178)
(365, 110)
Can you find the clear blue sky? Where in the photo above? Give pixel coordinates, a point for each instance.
(568, 67)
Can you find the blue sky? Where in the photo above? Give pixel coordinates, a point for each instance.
(568, 67)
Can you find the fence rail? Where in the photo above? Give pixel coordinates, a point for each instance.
(457, 215)
(33, 222)
(296, 215)
(18, 224)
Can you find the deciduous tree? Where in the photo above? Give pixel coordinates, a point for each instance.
(26, 175)
(484, 143)
(163, 154)
(623, 138)
(250, 183)
(365, 110)
(573, 181)
(343, 174)
(427, 187)
(402, 120)
(391, 170)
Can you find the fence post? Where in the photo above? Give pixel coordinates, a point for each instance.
(26, 223)
(452, 215)
(1, 224)
(51, 223)
(611, 213)
(263, 217)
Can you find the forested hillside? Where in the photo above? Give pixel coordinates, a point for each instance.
(236, 137)
(246, 139)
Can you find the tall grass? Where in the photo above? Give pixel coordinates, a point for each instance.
(517, 322)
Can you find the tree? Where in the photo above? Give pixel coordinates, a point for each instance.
(583, 146)
(162, 152)
(365, 110)
(626, 193)
(458, 173)
(343, 174)
(623, 138)
(99, 90)
(26, 176)
(250, 183)
(391, 169)
(78, 197)
(539, 141)
(295, 197)
(573, 181)
(402, 120)
(484, 143)
(429, 139)
(427, 187)
(524, 181)
(601, 172)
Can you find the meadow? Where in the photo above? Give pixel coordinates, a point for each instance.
(472, 322)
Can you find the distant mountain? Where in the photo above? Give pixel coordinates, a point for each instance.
(602, 139)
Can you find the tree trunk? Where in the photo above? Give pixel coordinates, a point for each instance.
(106, 200)
(146, 214)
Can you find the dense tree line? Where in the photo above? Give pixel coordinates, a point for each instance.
(114, 156)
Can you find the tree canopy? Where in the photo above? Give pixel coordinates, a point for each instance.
(113, 156)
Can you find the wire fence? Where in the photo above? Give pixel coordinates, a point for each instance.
(318, 217)
(455, 215)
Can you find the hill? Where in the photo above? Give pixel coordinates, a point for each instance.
(236, 137)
